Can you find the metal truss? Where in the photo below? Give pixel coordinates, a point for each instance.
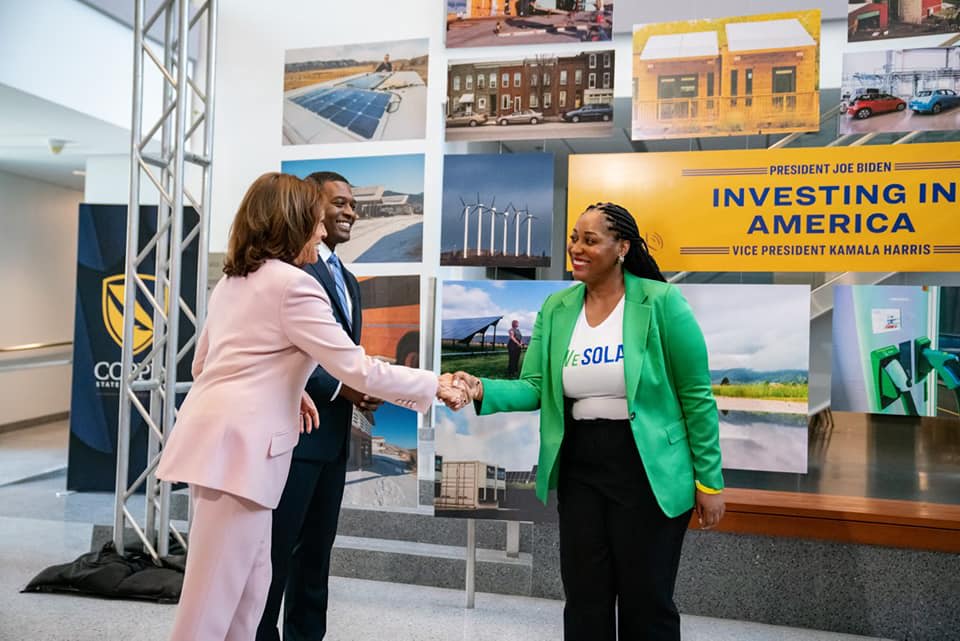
(184, 132)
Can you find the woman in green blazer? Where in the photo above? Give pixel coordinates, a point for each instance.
(629, 433)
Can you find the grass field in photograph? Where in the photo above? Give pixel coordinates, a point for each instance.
(492, 365)
(769, 391)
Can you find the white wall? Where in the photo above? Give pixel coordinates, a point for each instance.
(38, 259)
(67, 53)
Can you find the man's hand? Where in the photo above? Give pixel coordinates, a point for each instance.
(451, 392)
(471, 384)
(363, 402)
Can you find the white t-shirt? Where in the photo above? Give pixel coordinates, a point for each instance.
(593, 369)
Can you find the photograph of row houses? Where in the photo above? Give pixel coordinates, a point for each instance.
(355, 93)
(727, 76)
(901, 19)
(541, 96)
(491, 23)
(901, 90)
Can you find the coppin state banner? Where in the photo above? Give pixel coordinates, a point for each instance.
(876, 208)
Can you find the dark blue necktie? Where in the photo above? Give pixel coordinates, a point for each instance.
(336, 270)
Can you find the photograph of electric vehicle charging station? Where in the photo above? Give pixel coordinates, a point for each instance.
(355, 93)
(896, 350)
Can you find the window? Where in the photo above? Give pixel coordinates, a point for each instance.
(591, 81)
(481, 82)
(469, 83)
(677, 97)
(517, 103)
(533, 100)
(493, 80)
(606, 60)
(748, 86)
(481, 104)
(592, 61)
(563, 76)
(505, 80)
(533, 79)
(546, 79)
(516, 79)
(578, 77)
(547, 100)
(606, 79)
(505, 103)
(710, 89)
(456, 83)
(734, 87)
(563, 99)
(785, 81)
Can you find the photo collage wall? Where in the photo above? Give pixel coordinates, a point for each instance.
(864, 208)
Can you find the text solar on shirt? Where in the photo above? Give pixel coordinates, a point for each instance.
(593, 372)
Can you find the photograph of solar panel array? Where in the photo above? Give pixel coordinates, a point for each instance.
(358, 110)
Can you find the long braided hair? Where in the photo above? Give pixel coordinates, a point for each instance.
(638, 260)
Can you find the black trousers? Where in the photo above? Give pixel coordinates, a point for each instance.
(513, 361)
(304, 527)
(619, 553)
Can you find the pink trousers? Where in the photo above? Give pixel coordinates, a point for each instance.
(228, 569)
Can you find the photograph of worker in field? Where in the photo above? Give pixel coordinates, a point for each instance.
(492, 23)
(896, 350)
(727, 76)
(388, 190)
(485, 325)
(497, 210)
(758, 342)
(355, 93)
(382, 462)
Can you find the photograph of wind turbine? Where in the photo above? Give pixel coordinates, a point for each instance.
(497, 210)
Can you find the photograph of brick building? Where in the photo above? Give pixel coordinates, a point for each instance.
(540, 96)
(901, 18)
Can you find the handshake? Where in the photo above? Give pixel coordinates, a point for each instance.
(459, 389)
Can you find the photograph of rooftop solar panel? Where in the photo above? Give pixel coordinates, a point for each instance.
(355, 93)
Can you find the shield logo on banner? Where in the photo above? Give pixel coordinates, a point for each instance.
(112, 303)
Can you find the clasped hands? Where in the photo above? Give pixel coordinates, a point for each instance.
(459, 389)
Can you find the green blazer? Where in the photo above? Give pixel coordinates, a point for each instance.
(673, 414)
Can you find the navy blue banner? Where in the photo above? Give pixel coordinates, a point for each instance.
(98, 328)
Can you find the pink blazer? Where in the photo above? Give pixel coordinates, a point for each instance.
(264, 334)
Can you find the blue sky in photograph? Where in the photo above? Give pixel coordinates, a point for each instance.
(523, 179)
(397, 173)
(397, 425)
(512, 299)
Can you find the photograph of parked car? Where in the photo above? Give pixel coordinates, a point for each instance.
(900, 90)
(600, 111)
(869, 104)
(538, 96)
(933, 102)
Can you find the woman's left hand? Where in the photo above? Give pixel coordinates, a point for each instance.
(309, 418)
(710, 509)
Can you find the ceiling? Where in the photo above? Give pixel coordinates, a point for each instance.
(27, 123)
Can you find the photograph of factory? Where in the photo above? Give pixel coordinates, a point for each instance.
(382, 460)
(478, 319)
(389, 195)
(355, 93)
(758, 342)
(896, 350)
(539, 96)
(727, 76)
(497, 210)
(491, 23)
(901, 90)
(901, 18)
(485, 467)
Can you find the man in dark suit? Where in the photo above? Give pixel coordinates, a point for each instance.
(305, 521)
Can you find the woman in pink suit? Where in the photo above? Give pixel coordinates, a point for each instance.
(269, 324)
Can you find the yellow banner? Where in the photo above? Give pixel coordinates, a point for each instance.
(868, 208)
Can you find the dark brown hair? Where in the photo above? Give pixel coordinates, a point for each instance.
(276, 219)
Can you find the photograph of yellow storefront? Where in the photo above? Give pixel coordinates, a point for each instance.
(729, 76)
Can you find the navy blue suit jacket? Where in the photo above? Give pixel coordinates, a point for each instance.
(331, 441)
